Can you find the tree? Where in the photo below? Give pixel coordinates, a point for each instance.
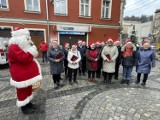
(142, 19)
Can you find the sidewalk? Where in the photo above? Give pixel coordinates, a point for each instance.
(85, 100)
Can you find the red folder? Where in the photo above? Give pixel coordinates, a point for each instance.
(108, 56)
(74, 58)
(59, 55)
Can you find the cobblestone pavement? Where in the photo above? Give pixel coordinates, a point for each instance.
(86, 101)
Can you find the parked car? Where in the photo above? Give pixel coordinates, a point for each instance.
(3, 52)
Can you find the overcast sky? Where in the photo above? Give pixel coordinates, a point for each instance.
(139, 7)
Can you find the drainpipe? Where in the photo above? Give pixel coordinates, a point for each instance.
(47, 18)
(123, 2)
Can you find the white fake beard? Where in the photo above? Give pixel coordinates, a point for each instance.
(24, 42)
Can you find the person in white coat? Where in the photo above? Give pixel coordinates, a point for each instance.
(109, 55)
(74, 57)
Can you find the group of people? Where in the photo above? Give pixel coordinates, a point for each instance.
(98, 59)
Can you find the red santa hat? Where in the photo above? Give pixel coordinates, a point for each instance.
(19, 32)
(98, 42)
(91, 43)
(116, 41)
(145, 43)
(55, 41)
(80, 41)
(65, 44)
(74, 45)
(110, 39)
(128, 41)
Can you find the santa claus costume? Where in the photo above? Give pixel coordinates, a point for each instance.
(24, 68)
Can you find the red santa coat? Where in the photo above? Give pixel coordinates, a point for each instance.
(24, 69)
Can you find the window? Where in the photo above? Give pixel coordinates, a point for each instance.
(106, 8)
(3, 3)
(60, 7)
(32, 5)
(85, 7)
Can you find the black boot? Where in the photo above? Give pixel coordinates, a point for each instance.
(60, 84)
(32, 106)
(105, 81)
(137, 82)
(109, 81)
(26, 110)
(127, 82)
(143, 84)
(56, 86)
(123, 81)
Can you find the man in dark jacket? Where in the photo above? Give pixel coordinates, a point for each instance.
(118, 60)
(82, 50)
(66, 49)
(99, 48)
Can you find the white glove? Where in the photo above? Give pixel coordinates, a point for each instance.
(33, 50)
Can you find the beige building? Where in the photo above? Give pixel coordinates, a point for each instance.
(157, 26)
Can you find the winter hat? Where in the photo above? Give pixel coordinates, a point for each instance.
(65, 44)
(19, 32)
(116, 41)
(110, 39)
(98, 43)
(128, 41)
(91, 43)
(55, 41)
(80, 41)
(145, 43)
(74, 45)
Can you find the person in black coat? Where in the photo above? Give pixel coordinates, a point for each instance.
(84, 58)
(82, 50)
(66, 49)
(118, 60)
(99, 48)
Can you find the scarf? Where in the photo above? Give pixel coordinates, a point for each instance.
(128, 51)
(93, 54)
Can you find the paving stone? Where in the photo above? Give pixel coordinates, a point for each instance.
(85, 100)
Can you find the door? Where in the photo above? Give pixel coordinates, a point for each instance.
(37, 40)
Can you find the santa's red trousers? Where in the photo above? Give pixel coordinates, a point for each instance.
(23, 95)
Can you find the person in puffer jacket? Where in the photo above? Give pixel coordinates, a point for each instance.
(145, 60)
(128, 61)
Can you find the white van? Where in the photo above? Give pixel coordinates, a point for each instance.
(3, 51)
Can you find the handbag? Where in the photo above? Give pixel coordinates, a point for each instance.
(36, 86)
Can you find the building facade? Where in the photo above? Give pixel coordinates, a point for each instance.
(64, 20)
(142, 30)
(156, 28)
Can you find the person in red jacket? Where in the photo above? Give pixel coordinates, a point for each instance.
(44, 48)
(24, 68)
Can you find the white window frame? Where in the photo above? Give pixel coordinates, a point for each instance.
(109, 10)
(89, 11)
(6, 4)
(59, 13)
(25, 2)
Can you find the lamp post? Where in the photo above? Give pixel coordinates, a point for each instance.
(133, 37)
